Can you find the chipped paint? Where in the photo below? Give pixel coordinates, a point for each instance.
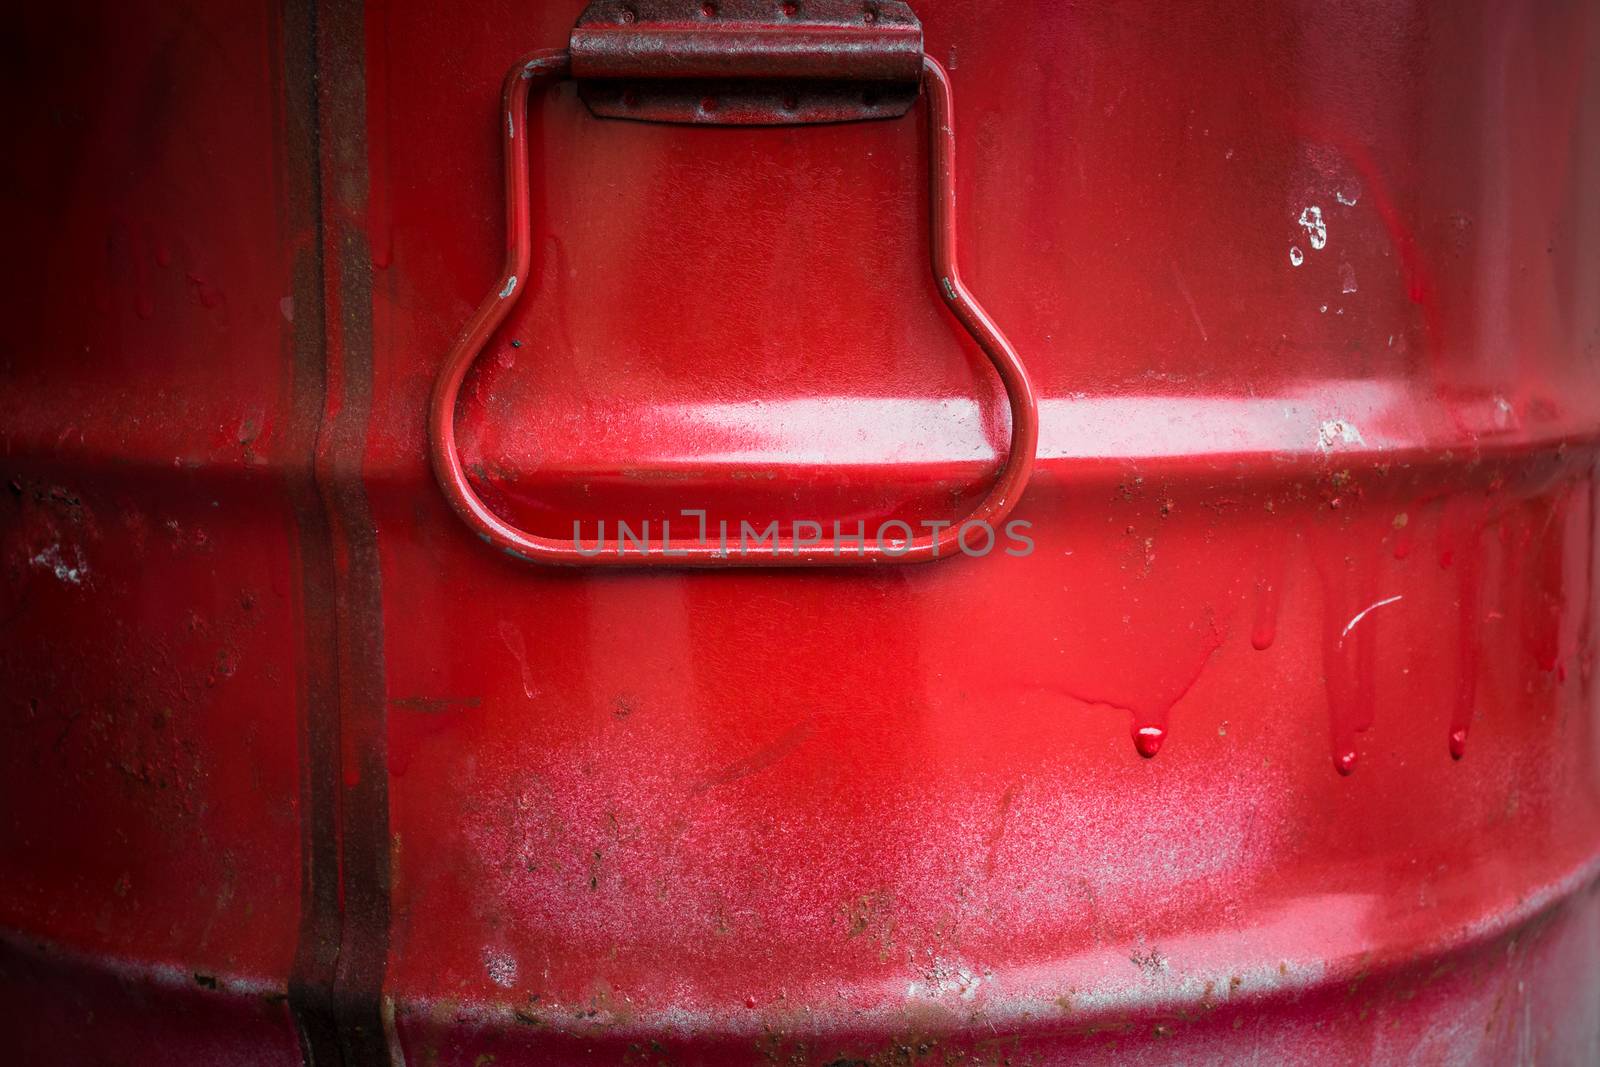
(1316, 229)
(1336, 432)
(500, 967)
(52, 559)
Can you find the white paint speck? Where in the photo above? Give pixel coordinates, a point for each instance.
(501, 967)
(1296, 257)
(1504, 413)
(1338, 431)
(51, 559)
(511, 287)
(1348, 197)
(1316, 229)
(1347, 278)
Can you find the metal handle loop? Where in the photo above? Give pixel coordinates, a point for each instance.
(543, 67)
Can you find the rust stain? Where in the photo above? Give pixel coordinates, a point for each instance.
(335, 991)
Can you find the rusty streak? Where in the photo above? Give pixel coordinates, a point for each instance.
(336, 988)
(316, 954)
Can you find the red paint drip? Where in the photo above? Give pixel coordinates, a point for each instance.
(1542, 550)
(1150, 719)
(1461, 536)
(1349, 650)
(1265, 628)
(1148, 738)
(1151, 708)
(1405, 535)
(1269, 588)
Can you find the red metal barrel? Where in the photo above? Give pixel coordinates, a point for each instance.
(1262, 724)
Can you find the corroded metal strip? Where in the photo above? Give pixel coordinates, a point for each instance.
(747, 62)
(336, 992)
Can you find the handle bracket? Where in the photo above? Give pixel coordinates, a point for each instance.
(542, 68)
(747, 62)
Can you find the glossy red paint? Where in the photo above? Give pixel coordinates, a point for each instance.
(297, 768)
(790, 544)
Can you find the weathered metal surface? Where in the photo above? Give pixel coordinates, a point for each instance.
(747, 62)
(297, 768)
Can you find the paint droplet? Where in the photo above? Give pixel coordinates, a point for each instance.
(1148, 739)
(1316, 229)
(1458, 742)
(1346, 762)
(1264, 629)
(1296, 257)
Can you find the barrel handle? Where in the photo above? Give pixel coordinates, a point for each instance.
(545, 67)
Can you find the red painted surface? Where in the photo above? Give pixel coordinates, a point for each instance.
(707, 541)
(296, 767)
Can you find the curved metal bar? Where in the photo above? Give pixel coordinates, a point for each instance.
(544, 67)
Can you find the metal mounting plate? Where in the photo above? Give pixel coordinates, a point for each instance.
(747, 62)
